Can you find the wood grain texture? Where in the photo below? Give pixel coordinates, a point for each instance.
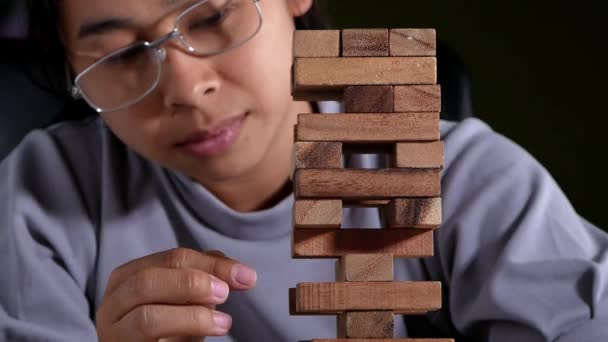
(358, 128)
(369, 99)
(365, 267)
(317, 213)
(313, 96)
(366, 183)
(333, 243)
(316, 43)
(317, 155)
(365, 203)
(400, 297)
(423, 98)
(333, 74)
(365, 43)
(422, 213)
(413, 42)
(427, 155)
(366, 324)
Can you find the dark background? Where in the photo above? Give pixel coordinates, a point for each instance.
(539, 76)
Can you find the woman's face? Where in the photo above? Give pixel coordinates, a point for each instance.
(214, 118)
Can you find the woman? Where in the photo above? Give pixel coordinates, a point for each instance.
(122, 235)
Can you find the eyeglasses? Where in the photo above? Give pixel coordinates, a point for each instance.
(127, 75)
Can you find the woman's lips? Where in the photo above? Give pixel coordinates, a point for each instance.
(214, 142)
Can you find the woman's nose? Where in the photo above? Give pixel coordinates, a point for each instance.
(187, 81)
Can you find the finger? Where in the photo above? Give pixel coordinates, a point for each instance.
(166, 286)
(152, 322)
(183, 339)
(236, 275)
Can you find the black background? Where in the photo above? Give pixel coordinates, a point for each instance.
(539, 76)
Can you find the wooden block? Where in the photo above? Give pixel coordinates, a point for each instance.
(369, 99)
(365, 267)
(292, 301)
(364, 42)
(423, 98)
(317, 214)
(365, 203)
(413, 42)
(366, 324)
(314, 155)
(367, 183)
(316, 43)
(400, 297)
(313, 96)
(384, 340)
(333, 243)
(318, 155)
(426, 155)
(358, 128)
(292, 155)
(333, 74)
(414, 213)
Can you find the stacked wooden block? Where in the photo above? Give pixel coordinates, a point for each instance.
(388, 82)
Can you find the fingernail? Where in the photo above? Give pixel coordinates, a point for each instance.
(222, 321)
(219, 288)
(244, 275)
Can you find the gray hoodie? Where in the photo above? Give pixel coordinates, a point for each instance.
(516, 261)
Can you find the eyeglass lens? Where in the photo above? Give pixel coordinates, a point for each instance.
(128, 74)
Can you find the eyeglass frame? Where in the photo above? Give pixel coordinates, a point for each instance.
(159, 53)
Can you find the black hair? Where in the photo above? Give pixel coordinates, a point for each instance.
(314, 19)
(44, 57)
(45, 51)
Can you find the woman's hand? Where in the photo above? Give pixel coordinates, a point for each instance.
(170, 294)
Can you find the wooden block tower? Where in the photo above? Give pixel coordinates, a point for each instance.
(387, 80)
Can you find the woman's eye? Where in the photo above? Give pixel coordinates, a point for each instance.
(126, 56)
(211, 21)
(215, 19)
